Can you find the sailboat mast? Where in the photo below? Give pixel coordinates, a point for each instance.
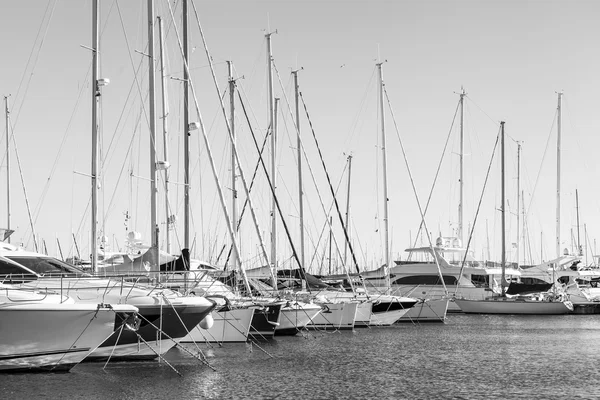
(152, 122)
(186, 133)
(461, 160)
(95, 104)
(559, 126)
(234, 217)
(7, 113)
(299, 146)
(272, 114)
(385, 188)
(518, 193)
(579, 248)
(503, 194)
(165, 111)
(348, 206)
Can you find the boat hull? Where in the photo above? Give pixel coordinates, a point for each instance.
(363, 314)
(335, 316)
(264, 321)
(427, 311)
(230, 326)
(161, 327)
(295, 317)
(512, 306)
(53, 337)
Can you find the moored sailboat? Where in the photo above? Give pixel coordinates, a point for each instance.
(549, 303)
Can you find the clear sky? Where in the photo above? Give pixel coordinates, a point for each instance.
(510, 56)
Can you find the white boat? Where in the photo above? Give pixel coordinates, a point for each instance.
(519, 305)
(230, 325)
(335, 315)
(166, 316)
(419, 277)
(569, 277)
(427, 310)
(295, 316)
(542, 304)
(50, 332)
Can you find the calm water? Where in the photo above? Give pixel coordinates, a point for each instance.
(469, 357)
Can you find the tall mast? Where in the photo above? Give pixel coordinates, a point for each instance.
(348, 206)
(186, 133)
(165, 111)
(234, 217)
(579, 248)
(273, 148)
(274, 180)
(559, 123)
(95, 104)
(7, 113)
(461, 159)
(152, 111)
(523, 230)
(299, 145)
(518, 194)
(385, 188)
(330, 240)
(503, 256)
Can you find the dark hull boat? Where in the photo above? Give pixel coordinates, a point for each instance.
(265, 320)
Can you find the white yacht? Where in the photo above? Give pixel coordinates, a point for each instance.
(420, 277)
(579, 283)
(166, 316)
(45, 331)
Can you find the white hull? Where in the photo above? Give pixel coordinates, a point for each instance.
(436, 292)
(335, 316)
(363, 314)
(229, 326)
(52, 336)
(141, 350)
(387, 318)
(427, 311)
(295, 317)
(511, 306)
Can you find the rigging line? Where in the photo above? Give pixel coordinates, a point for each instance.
(121, 174)
(285, 226)
(368, 90)
(239, 221)
(331, 187)
(412, 182)
(487, 175)
(207, 144)
(480, 109)
(308, 163)
(326, 223)
(25, 193)
(38, 208)
(137, 83)
(34, 62)
(241, 171)
(437, 173)
(542, 162)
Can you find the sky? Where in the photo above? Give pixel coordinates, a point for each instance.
(511, 58)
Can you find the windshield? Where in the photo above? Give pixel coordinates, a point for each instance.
(47, 265)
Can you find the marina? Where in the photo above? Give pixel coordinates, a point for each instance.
(518, 357)
(259, 200)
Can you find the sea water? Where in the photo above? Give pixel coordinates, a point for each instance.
(469, 357)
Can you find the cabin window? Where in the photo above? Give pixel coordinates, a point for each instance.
(10, 272)
(46, 266)
(480, 280)
(535, 281)
(425, 280)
